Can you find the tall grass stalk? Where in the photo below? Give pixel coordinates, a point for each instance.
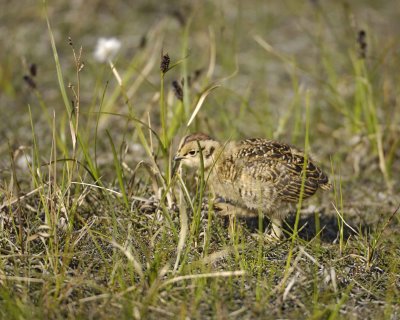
(118, 170)
(365, 112)
(184, 66)
(304, 172)
(57, 62)
(163, 115)
(78, 240)
(338, 196)
(183, 218)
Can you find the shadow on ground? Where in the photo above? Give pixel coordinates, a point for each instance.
(329, 228)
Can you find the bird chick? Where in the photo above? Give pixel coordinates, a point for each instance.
(253, 175)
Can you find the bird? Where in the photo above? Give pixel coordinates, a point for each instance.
(253, 175)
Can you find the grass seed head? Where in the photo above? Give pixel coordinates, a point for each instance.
(165, 60)
(361, 40)
(178, 90)
(30, 82)
(33, 70)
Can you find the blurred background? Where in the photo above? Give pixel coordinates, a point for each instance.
(91, 225)
(268, 56)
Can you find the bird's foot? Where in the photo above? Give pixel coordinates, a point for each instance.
(270, 237)
(223, 208)
(275, 234)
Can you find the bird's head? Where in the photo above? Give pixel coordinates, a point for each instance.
(193, 146)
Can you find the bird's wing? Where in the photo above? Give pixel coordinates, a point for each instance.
(281, 167)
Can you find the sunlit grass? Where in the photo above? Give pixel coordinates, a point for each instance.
(94, 224)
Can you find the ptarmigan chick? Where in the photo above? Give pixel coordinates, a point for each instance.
(253, 175)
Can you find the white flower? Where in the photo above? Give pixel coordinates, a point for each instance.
(106, 49)
(24, 161)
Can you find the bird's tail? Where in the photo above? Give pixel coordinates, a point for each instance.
(326, 186)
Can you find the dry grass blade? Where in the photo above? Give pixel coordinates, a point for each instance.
(94, 227)
(211, 65)
(222, 274)
(289, 286)
(10, 202)
(128, 253)
(200, 102)
(21, 279)
(344, 221)
(183, 218)
(269, 48)
(94, 298)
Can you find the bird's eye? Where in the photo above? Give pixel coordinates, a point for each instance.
(192, 152)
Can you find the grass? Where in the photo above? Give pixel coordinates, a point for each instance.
(94, 224)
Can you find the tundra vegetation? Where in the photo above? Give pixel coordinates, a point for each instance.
(93, 222)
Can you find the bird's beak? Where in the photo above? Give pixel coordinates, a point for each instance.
(178, 158)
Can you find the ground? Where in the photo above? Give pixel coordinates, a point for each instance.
(94, 225)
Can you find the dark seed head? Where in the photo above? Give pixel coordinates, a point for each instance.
(33, 70)
(30, 82)
(178, 90)
(362, 43)
(361, 35)
(165, 60)
(143, 42)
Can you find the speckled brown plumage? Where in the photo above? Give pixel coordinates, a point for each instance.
(254, 174)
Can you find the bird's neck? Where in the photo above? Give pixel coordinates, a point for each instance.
(213, 157)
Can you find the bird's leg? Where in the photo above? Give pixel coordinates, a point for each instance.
(232, 225)
(227, 209)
